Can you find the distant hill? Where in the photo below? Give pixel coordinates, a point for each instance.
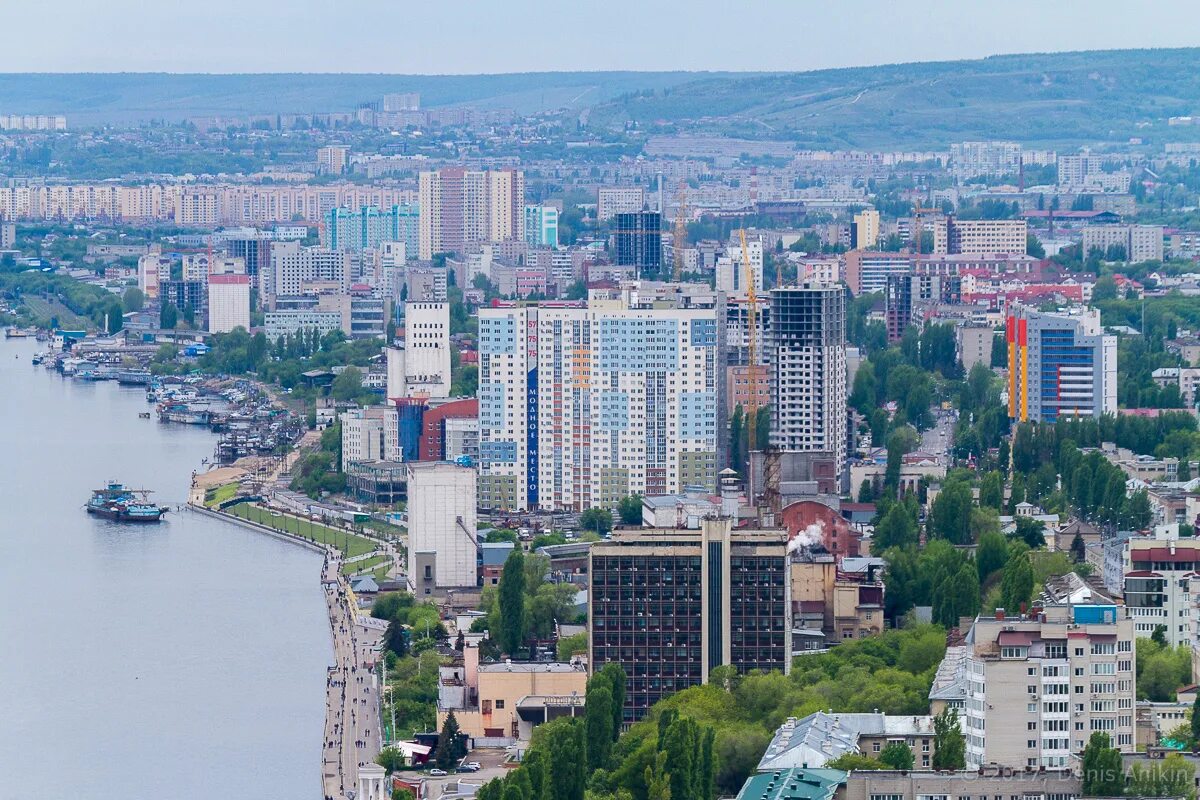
(104, 98)
(1068, 98)
(1049, 98)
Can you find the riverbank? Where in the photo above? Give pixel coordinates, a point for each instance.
(227, 702)
(353, 731)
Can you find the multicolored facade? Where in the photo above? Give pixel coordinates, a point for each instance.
(1059, 364)
(581, 407)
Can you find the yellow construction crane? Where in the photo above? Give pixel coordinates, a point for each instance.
(680, 238)
(751, 347)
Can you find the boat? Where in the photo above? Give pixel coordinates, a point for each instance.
(38, 358)
(133, 377)
(13, 332)
(119, 503)
(184, 414)
(144, 414)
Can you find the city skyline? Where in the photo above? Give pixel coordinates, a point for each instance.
(131, 36)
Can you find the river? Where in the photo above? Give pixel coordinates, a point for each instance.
(181, 660)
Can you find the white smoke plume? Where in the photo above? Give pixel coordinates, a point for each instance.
(807, 537)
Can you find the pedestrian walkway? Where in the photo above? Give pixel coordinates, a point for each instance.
(352, 736)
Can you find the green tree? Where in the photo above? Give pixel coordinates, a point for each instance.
(1174, 776)
(991, 490)
(451, 744)
(348, 385)
(1195, 721)
(897, 755)
(681, 744)
(598, 723)
(395, 638)
(168, 317)
(1137, 510)
(630, 509)
(897, 528)
(1078, 550)
(510, 632)
(658, 779)
(1017, 584)
(133, 299)
(1031, 531)
(950, 517)
(1103, 774)
(990, 554)
(1159, 636)
(616, 682)
(1105, 289)
(949, 746)
(565, 759)
(854, 762)
(571, 645)
(596, 519)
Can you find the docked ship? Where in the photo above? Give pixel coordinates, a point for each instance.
(133, 377)
(122, 504)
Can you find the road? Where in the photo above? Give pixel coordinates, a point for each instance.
(490, 759)
(352, 736)
(940, 438)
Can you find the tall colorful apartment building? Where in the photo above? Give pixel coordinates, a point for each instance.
(1059, 364)
(368, 227)
(579, 407)
(460, 207)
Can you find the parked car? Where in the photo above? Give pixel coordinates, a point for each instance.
(437, 773)
(469, 766)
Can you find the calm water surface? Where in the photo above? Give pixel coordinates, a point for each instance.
(181, 660)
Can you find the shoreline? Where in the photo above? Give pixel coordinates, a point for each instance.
(352, 682)
(245, 523)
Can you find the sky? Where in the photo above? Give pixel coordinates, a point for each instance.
(487, 36)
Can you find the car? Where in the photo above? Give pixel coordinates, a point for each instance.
(437, 773)
(470, 766)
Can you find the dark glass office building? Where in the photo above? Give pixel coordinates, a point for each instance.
(638, 239)
(671, 605)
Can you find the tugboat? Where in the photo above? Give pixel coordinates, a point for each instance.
(121, 504)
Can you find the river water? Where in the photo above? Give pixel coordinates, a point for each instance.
(181, 660)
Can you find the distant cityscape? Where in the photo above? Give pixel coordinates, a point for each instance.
(875, 473)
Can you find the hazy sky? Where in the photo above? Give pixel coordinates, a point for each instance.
(474, 36)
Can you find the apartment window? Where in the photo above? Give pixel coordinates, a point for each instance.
(499, 704)
(1031, 726)
(1079, 651)
(1031, 689)
(1031, 744)
(875, 746)
(1013, 652)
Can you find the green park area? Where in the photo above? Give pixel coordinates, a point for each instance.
(213, 498)
(350, 544)
(365, 565)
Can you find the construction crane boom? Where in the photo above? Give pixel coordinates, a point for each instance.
(680, 237)
(751, 340)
